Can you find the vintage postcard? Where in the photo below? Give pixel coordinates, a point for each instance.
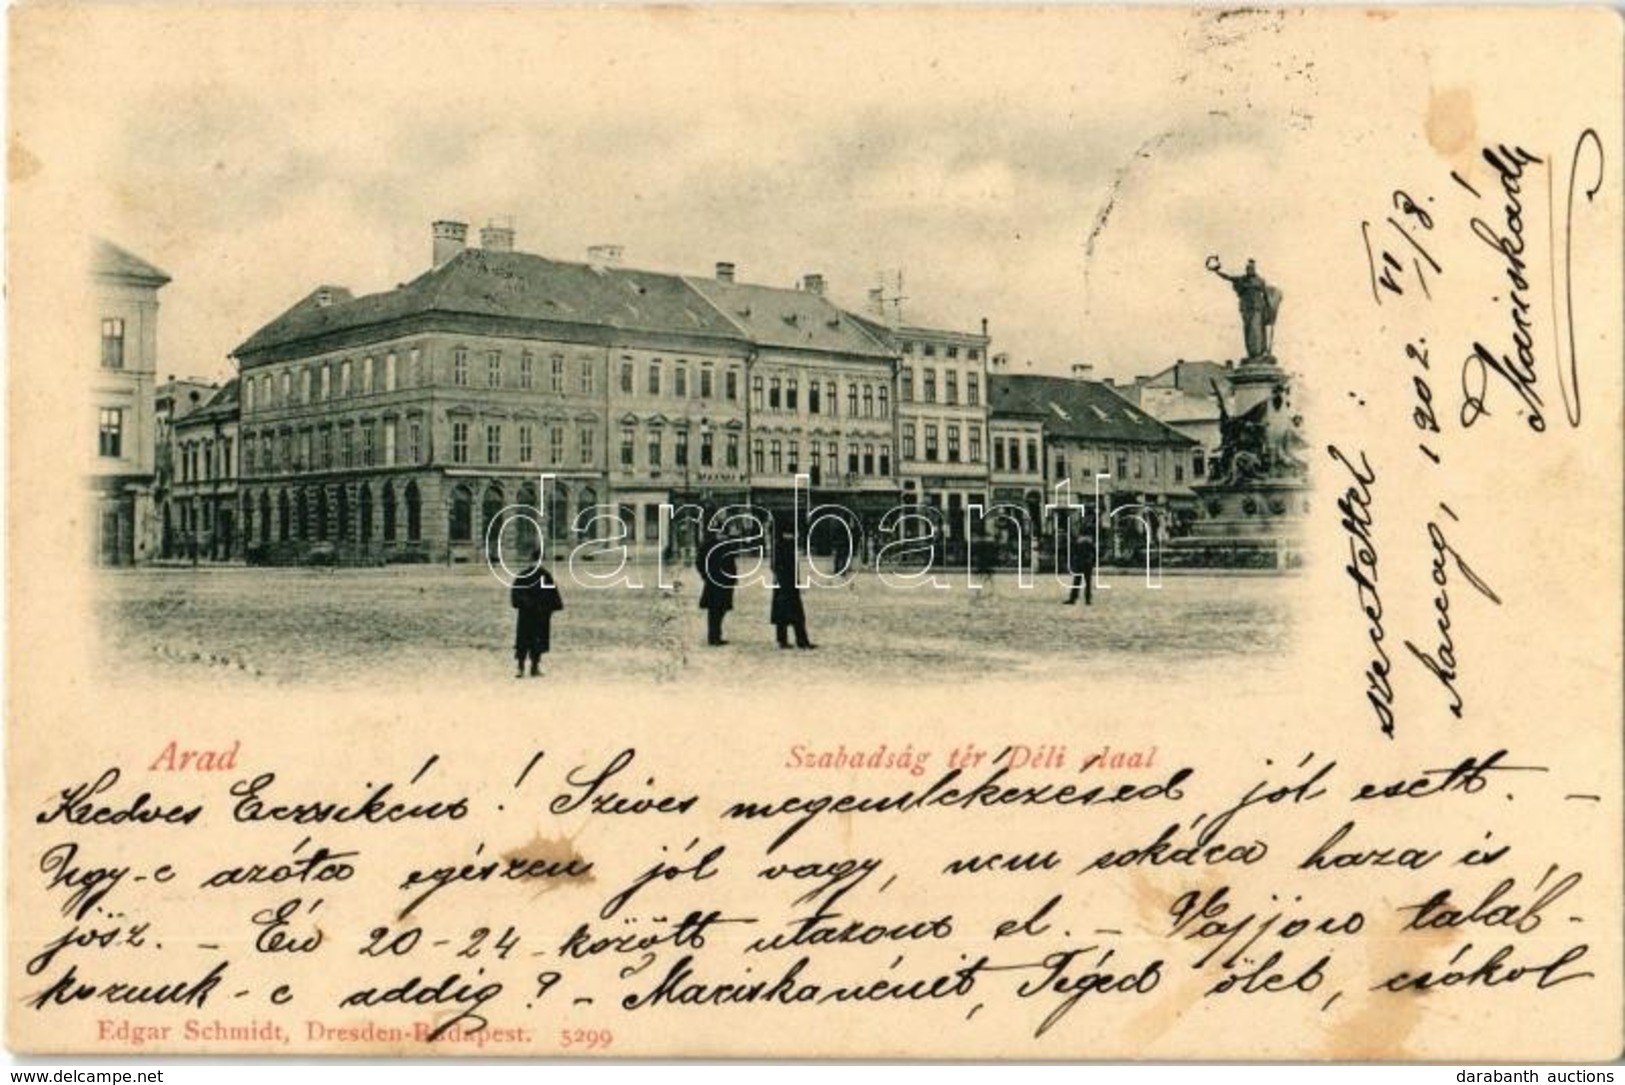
(998, 532)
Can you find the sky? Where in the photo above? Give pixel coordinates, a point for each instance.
(1062, 174)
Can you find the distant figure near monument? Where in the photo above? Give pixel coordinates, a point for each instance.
(1259, 303)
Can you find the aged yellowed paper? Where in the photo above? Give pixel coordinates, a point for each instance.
(851, 531)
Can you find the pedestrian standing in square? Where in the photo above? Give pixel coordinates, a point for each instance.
(715, 564)
(535, 597)
(1081, 557)
(787, 612)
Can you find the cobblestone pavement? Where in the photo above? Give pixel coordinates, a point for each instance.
(436, 624)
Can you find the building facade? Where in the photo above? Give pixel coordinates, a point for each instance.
(1192, 398)
(1132, 471)
(122, 467)
(200, 511)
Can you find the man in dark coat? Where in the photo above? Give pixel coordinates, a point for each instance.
(787, 612)
(715, 564)
(535, 596)
(1081, 558)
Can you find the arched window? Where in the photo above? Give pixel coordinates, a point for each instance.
(321, 513)
(490, 505)
(389, 512)
(284, 519)
(364, 498)
(414, 513)
(265, 516)
(301, 515)
(341, 526)
(460, 515)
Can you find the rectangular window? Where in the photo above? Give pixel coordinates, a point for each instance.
(629, 447)
(794, 463)
(1122, 465)
(459, 442)
(369, 381)
(368, 444)
(389, 442)
(812, 397)
(909, 448)
(852, 400)
(707, 376)
(389, 372)
(998, 454)
(654, 377)
(905, 393)
(974, 354)
(493, 444)
(627, 376)
(885, 459)
(527, 446)
(973, 388)
(758, 457)
(527, 372)
(327, 382)
(555, 444)
(459, 366)
(733, 450)
(414, 442)
(555, 374)
(656, 443)
(868, 459)
(758, 399)
(1179, 471)
(975, 435)
(852, 459)
(584, 441)
(868, 401)
(680, 456)
(950, 387)
(1156, 465)
(415, 362)
(775, 456)
(930, 350)
(832, 460)
(1139, 464)
(953, 444)
(346, 376)
(586, 382)
(953, 352)
(1198, 464)
(112, 342)
(493, 369)
(679, 381)
(347, 447)
(706, 448)
(327, 448)
(931, 442)
(773, 394)
(832, 402)
(733, 385)
(791, 396)
(929, 390)
(110, 436)
(884, 395)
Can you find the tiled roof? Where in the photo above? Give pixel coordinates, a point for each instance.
(223, 404)
(1193, 377)
(481, 282)
(794, 319)
(1082, 410)
(113, 262)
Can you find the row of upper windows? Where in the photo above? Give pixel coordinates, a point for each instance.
(864, 399)
(950, 386)
(949, 350)
(204, 460)
(773, 457)
(493, 444)
(681, 380)
(1139, 464)
(934, 449)
(324, 381)
(654, 445)
(369, 444)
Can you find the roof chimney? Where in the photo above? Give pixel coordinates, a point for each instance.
(984, 327)
(1081, 370)
(497, 235)
(725, 271)
(1001, 361)
(450, 238)
(605, 255)
(813, 283)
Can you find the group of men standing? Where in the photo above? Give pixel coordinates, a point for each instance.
(536, 598)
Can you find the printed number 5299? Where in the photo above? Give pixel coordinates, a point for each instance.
(590, 1038)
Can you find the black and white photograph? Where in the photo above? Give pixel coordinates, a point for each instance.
(795, 532)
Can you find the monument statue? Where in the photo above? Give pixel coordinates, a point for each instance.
(1259, 303)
